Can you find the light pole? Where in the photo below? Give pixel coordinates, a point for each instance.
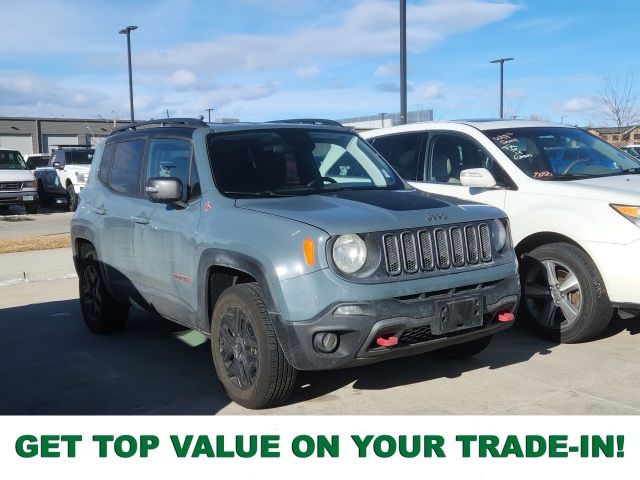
(127, 31)
(382, 118)
(501, 62)
(562, 118)
(403, 62)
(209, 110)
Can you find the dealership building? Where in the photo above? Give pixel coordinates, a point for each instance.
(40, 135)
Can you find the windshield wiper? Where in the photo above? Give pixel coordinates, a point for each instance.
(629, 170)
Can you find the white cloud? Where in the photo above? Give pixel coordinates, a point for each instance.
(182, 78)
(387, 70)
(308, 72)
(369, 28)
(577, 105)
(429, 91)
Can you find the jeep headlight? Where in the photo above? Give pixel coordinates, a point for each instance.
(629, 212)
(349, 253)
(499, 234)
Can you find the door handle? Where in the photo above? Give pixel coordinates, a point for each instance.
(99, 210)
(141, 220)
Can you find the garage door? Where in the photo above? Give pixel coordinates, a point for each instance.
(50, 141)
(22, 143)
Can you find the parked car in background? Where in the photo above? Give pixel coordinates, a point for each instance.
(36, 160)
(573, 201)
(64, 177)
(254, 235)
(17, 184)
(632, 150)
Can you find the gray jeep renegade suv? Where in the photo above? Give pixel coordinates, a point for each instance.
(292, 245)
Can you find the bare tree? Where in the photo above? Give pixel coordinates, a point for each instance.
(617, 101)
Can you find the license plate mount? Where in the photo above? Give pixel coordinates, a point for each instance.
(456, 315)
(27, 198)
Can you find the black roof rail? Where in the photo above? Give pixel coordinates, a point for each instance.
(72, 146)
(310, 121)
(163, 122)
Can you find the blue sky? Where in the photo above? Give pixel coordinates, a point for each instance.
(260, 60)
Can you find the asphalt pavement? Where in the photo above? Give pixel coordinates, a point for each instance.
(16, 223)
(51, 364)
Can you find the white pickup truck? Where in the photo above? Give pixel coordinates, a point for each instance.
(60, 182)
(573, 201)
(17, 185)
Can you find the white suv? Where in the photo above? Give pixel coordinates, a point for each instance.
(573, 201)
(17, 185)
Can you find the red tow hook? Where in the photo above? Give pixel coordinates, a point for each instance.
(387, 342)
(506, 317)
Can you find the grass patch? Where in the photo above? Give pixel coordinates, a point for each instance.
(43, 242)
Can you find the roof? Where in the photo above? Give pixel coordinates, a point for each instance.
(186, 124)
(489, 124)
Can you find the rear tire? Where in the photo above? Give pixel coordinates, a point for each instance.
(464, 350)
(101, 312)
(563, 295)
(246, 354)
(72, 198)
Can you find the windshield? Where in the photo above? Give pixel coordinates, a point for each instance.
(296, 161)
(557, 153)
(79, 157)
(635, 151)
(11, 160)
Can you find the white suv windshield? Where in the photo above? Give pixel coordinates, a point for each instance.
(558, 153)
(296, 161)
(11, 160)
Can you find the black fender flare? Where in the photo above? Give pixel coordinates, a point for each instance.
(217, 257)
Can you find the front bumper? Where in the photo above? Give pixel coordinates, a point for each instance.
(18, 197)
(619, 266)
(411, 320)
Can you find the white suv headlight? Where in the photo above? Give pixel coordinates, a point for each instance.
(349, 253)
(630, 212)
(499, 234)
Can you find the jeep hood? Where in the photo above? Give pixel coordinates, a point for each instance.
(360, 211)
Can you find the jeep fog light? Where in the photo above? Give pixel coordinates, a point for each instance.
(349, 310)
(326, 342)
(498, 234)
(349, 253)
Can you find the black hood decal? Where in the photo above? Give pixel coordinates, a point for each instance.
(397, 200)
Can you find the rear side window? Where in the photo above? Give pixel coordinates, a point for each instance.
(401, 151)
(104, 171)
(125, 172)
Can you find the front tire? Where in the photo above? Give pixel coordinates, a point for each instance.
(246, 354)
(101, 312)
(563, 294)
(464, 350)
(72, 198)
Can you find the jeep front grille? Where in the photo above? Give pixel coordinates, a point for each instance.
(485, 243)
(10, 185)
(441, 248)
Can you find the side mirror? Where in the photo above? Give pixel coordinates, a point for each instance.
(57, 165)
(477, 177)
(164, 189)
